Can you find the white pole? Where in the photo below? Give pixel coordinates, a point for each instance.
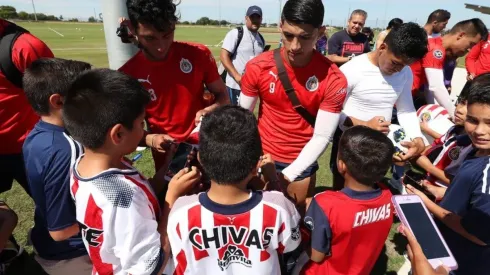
(117, 51)
(280, 12)
(34, 8)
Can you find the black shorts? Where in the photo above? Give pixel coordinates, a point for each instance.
(310, 171)
(12, 168)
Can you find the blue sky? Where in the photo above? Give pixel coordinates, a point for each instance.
(380, 11)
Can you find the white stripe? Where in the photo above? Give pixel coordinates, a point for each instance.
(57, 32)
(484, 180)
(207, 222)
(256, 221)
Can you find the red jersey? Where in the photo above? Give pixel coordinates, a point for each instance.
(17, 117)
(352, 236)
(320, 85)
(433, 59)
(478, 59)
(175, 86)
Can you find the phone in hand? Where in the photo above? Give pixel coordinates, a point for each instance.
(415, 180)
(180, 159)
(415, 216)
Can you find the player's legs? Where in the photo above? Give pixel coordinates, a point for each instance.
(337, 179)
(77, 266)
(234, 95)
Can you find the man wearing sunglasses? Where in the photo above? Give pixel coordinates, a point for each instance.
(172, 72)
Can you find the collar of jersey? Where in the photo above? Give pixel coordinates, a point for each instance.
(233, 209)
(50, 127)
(362, 195)
(108, 172)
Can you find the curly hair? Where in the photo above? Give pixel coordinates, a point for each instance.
(408, 41)
(160, 14)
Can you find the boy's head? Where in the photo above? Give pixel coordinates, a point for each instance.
(47, 81)
(301, 26)
(402, 46)
(438, 20)
(365, 155)
(154, 25)
(477, 124)
(105, 110)
(464, 35)
(394, 23)
(229, 145)
(461, 106)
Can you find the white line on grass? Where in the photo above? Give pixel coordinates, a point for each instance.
(57, 32)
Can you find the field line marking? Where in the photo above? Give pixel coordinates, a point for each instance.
(57, 32)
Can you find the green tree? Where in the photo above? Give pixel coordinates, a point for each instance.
(61, 17)
(92, 19)
(8, 12)
(23, 15)
(203, 21)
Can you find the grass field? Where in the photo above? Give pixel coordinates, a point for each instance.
(92, 49)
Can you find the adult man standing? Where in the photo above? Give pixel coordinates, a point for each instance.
(172, 72)
(436, 23)
(239, 46)
(379, 80)
(429, 71)
(344, 45)
(16, 115)
(478, 59)
(301, 95)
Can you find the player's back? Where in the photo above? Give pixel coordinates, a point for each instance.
(358, 222)
(434, 59)
(209, 238)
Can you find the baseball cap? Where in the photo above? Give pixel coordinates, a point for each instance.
(254, 10)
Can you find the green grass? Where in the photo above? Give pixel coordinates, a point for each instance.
(92, 49)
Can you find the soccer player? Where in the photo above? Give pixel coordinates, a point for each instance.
(295, 143)
(49, 153)
(231, 229)
(119, 214)
(463, 215)
(429, 70)
(394, 23)
(349, 228)
(478, 59)
(376, 82)
(345, 45)
(172, 72)
(16, 116)
(437, 22)
(236, 52)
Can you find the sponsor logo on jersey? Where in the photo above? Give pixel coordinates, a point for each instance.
(273, 75)
(426, 116)
(231, 219)
(312, 84)
(453, 154)
(295, 233)
(143, 80)
(220, 236)
(233, 255)
(351, 48)
(438, 54)
(372, 215)
(91, 235)
(309, 222)
(399, 135)
(185, 66)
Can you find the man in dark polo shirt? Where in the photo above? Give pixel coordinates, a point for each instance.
(346, 44)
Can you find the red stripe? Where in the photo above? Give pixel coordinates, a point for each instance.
(181, 263)
(74, 187)
(194, 216)
(283, 226)
(153, 200)
(178, 230)
(93, 219)
(269, 220)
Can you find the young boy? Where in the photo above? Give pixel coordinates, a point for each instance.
(49, 152)
(117, 209)
(230, 229)
(463, 215)
(349, 227)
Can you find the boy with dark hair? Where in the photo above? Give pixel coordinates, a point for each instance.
(463, 215)
(118, 212)
(231, 229)
(49, 152)
(349, 239)
(436, 22)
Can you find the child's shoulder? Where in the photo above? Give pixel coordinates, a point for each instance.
(278, 199)
(185, 202)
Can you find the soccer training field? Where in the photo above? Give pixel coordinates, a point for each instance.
(85, 41)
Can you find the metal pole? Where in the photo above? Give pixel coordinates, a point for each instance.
(280, 12)
(34, 8)
(117, 51)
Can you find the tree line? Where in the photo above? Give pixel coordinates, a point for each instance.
(9, 12)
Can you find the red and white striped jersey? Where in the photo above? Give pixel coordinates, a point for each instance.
(247, 238)
(118, 211)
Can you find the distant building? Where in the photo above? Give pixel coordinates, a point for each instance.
(478, 8)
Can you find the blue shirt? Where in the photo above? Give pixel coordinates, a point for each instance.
(48, 155)
(469, 197)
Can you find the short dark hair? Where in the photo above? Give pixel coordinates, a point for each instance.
(309, 12)
(394, 23)
(479, 90)
(229, 144)
(100, 99)
(358, 12)
(472, 27)
(439, 16)
(367, 154)
(409, 41)
(160, 14)
(48, 76)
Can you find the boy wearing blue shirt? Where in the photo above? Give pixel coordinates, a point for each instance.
(463, 215)
(49, 152)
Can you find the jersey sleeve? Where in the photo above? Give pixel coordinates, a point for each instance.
(27, 48)
(472, 57)
(60, 209)
(334, 94)
(317, 222)
(289, 235)
(230, 41)
(434, 59)
(136, 239)
(209, 64)
(250, 80)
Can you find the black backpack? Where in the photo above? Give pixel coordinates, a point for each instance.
(7, 66)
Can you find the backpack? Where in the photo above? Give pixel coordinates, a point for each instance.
(7, 66)
(222, 71)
